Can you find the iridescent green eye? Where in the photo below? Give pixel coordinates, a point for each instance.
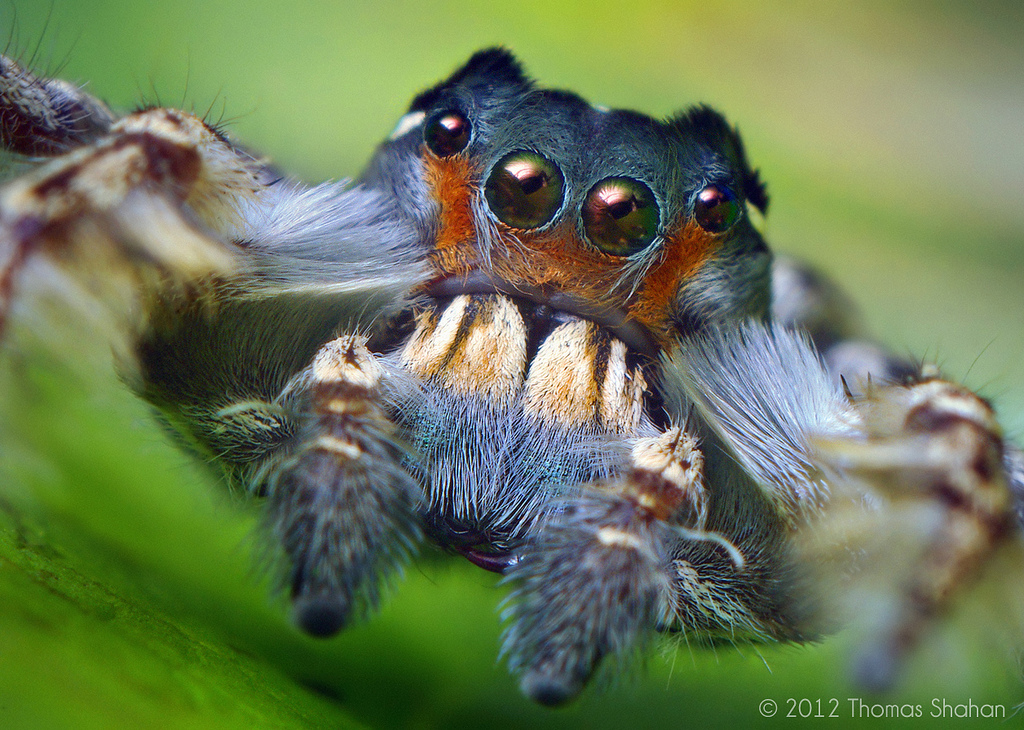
(620, 216)
(716, 209)
(524, 189)
(447, 133)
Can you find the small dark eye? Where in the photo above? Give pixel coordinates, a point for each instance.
(447, 133)
(524, 190)
(620, 216)
(716, 209)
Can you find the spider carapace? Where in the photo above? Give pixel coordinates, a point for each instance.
(541, 334)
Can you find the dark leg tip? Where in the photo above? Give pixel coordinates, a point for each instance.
(875, 668)
(547, 690)
(320, 616)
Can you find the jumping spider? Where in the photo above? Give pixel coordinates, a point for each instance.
(540, 334)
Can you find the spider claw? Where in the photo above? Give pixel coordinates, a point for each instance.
(548, 689)
(321, 616)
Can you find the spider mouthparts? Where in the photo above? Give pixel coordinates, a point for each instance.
(614, 319)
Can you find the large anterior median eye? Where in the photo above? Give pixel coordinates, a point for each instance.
(447, 133)
(524, 189)
(716, 209)
(620, 216)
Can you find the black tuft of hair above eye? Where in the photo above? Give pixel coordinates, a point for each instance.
(755, 191)
(525, 189)
(716, 208)
(620, 216)
(447, 133)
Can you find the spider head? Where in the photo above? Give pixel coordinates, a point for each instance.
(606, 213)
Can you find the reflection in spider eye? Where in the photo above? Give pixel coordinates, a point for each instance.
(524, 189)
(447, 133)
(716, 209)
(620, 216)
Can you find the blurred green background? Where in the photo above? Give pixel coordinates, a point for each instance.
(892, 139)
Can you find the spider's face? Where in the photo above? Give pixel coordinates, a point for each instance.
(636, 223)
